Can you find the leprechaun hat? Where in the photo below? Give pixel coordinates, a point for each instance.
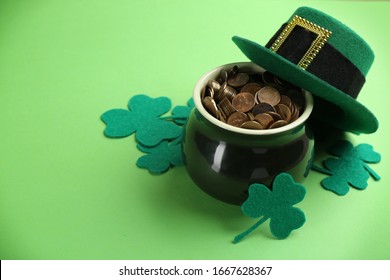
(325, 57)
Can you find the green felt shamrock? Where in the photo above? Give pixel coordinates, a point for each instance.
(350, 169)
(161, 157)
(142, 118)
(180, 113)
(309, 163)
(276, 205)
(158, 136)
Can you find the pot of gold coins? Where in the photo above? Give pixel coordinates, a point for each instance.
(247, 126)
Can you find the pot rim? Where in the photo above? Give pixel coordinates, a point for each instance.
(214, 73)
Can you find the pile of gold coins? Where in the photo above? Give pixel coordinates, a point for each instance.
(252, 100)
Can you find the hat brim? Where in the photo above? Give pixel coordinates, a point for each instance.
(333, 106)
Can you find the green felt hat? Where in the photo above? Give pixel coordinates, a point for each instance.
(320, 54)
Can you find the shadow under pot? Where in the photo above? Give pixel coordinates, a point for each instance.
(223, 160)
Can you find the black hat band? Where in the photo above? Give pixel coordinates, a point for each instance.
(327, 64)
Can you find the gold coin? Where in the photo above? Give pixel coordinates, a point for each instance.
(275, 116)
(238, 80)
(278, 124)
(218, 95)
(295, 114)
(264, 119)
(233, 71)
(237, 119)
(252, 125)
(262, 108)
(229, 92)
(226, 107)
(268, 77)
(296, 97)
(207, 91)
(268, 95)
(279, 81)
(283, 111)
(222, 117)
(284, 99)
(250, 116)
(243, 102)
(252, 88)
(214, 85)
(223, 76)
(210, 106)
(256, 106)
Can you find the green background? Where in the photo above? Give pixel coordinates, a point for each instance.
(67, 192)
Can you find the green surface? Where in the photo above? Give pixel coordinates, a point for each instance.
(67, 192)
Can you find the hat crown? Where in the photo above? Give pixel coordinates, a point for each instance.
(344, 39)
(318, 53)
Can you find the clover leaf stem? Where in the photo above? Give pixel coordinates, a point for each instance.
(242, 235)
(176, 141)
(372, 172)
(171, 118)
(322, 170)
